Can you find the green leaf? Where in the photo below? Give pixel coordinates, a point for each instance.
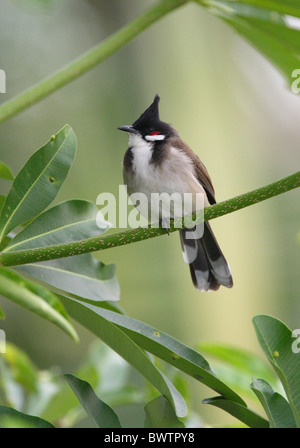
(290, 7)
(2, 200)
(2, 314)
(102, 415)
(82, 275)
(35, 298)
(237, 366)
(5, 172)
(155, 342)
(237, 410)
(112, 372)
(69, 221)
(275, 339)
(35, 6)
(23, 370)
(56, 401)
(275, 405)
(10, 418)
(121, 343)
(160, 414)
(106, 372)
(38, 182)
(267, 29)
(244, 360)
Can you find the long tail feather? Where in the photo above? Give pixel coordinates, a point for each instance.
(209, 268)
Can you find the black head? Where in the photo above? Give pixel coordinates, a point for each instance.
(149, 126)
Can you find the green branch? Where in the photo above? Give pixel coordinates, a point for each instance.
(88, 60)
(131, 236)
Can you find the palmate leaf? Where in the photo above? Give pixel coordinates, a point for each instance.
(35, 298)
(38, 182)
(265, 25)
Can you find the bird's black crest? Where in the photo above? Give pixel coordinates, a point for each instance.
(151, 115)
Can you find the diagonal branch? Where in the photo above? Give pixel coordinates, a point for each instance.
(131, 236)
(88, 60)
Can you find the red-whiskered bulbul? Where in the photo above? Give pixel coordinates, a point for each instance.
(158, 161)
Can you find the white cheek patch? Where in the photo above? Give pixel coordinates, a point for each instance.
(154, 138)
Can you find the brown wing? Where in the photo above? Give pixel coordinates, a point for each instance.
(201, 171)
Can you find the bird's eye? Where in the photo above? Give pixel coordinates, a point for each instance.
(155, 133)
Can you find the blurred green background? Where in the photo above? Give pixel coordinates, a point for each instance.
(228, 104)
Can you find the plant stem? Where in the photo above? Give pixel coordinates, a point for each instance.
(88, 60)
(130, 236)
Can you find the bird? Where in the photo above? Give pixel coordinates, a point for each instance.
(159, 161)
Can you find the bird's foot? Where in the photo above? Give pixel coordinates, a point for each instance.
(165, 224)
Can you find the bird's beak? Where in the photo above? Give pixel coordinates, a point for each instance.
(128, 129)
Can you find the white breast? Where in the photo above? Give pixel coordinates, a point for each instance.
(143, 169)
(175, 174)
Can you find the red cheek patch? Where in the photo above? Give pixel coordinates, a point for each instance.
(154, 133)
